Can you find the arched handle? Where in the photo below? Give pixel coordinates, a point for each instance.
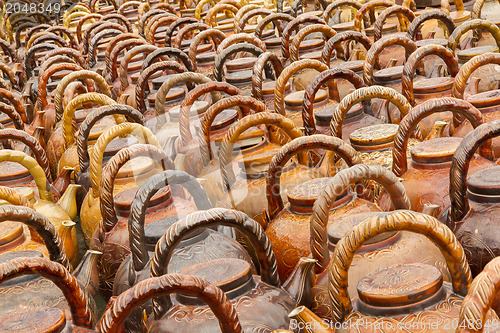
(31, 143)
(241, 38)
(176, 42)
(41, 180)
(81, 22)
(41, 225)
(460, 167)
(140, 87)
(410, 67)
(332, 7)
(13, 197)
(266, 58)
(401, 11)
(84, 74)
(240, 23)
(13, 115)
(275, 17)
(163, 20)
(313, 87)
(120, 18)
(288, 72)
(279, 160)
(336, 41)
(127, 58)
(211, 218)
(427, 15)
(215, 298)
(168, 52)
(376, 49)
(473, 24)
(362, 94)
(112, 70)
(137, 217)
(176, 25)
(14, 81)
(67, 51)
(262, 118)
(145, 19)
(105, 138)
(369, 7)
(336, 186)
(112, 32)
(222, 57)
(94, 29)
(217, 37)
(327, 32)
(293, 26)
(405, 220)
(46, 37)
(81, 314)
(211, 17)
(29, 58)
(15, 102)
(478, 302)
(95, 116)
(69, 132)
(199, 7)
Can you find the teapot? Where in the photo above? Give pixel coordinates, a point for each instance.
(203, 59)
(271, 37)
(402, 13)
(414, 29)
(309, 50)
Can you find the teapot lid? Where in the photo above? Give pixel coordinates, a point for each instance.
(387, 75)
(373, 136)
(137, 166)
(485, 99)
(269, 86)
(438, 150)
(467, 54)
(400, 285)
(315, 55)
(354, 65)
(12, 171)
(197, 108)
(343, 26)
(124, 199)
(324, 115)
(27, 192)
(432, 85)
(205, 57)
(11, 232)
(309, 44)
(4, 257)
(118, 144)
(484, 185)
(243, 77)
(223, 119)
(273, 43)
(40, 319)
(433, 41)
(295, 99)
(239, 64)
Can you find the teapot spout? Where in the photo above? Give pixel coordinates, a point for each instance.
(69, 239)
(87, 273)
(300, 282)
(309, 320)
(432, 210)
(68, 200)
(62, 182)
(438, 130)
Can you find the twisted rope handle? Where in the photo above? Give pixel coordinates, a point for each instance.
(427, 15)
(95, 116)
(113, 42)
(473, 24)
(45, 76)
(81, 314)
(410, 67)
(13, 115)
(168, 52)
(146, 18)
(317, 141)
(41, 225)
(111, 169)
(104, 139)
(137, 237)
(478, 302)
(7, 71)
(401, 11)
(119, 17)
(405, 220)
(211, 17)
(46, 37)
(293, 26)
(262, 118)
(362, 94)
(176, 42)
(369, 7)
(377, 47)
(335, 187)
(94, 29)
(215, 298)
(335, 43)
(15, 102)
(31, 143)
(140, 87)
(83, 74)
(460, 167)
(222, 57)
(241, 22)
(69, 132)
(258, 72)
(324, 78)
(241, 38)
(112, 61)
(13, 197)
(113, 32)
(275, 17)
(327, 32)
(211, 218)
(331, 9)
(29, 58)
(143, 48)
(80, 23)
(288, 72)
(150, 31)
(176, 25)
(199, 8)
(217, 37)
(67, 51)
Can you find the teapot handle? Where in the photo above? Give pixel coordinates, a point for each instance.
(288, 72)
(177, 40)
(211, 17)
(469, 25)
(258, 72)
(94, 42)
(13, 115)
(111, 171)
(142, 82)
(405, 220)
(369, 7)
(335, 5)
(460, 167)
(105, 138)
(294, 26)
(165, 19)
(140, 203)
(275, 17)
(46, 37)
(13, 197)
(410, 67)
(16, 103)
(9, 73)
(428, 15)
(326, 30)
(215, 298)
(140, 47)
(31, 142)
(67, 51)
(217, 37)
(253, 10)
(479, 300)
(81, 313)
(211, 218)
(115, 46)
(241, 38)
(323, 78)
(118, 17)
(400, 11)
(174, 26)
(317, 141)
(144, 20)
(83, 74)
(82, 21)
(29, 58)
(222, 57)
(340, 182)
(425, 109)
(168, 52)
(334, 43)
(94, 29)
(377, 47)
(42, 226)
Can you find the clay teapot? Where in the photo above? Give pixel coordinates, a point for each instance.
(404, 14)
(272, 37)
(203, 59)
(293, 27)
(472, 213)
(425, 294)
(416, 28)
(373, 8)
(310, 48)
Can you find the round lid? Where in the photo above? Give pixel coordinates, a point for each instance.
(205, 56)
(158, 81)
(27, 192)
(432, 85)
(10, 232)
(398, 285)
(240, 64)
(60, 74)
(124, 199)
(388, 74)
(100, 127)
(388, 27)
(118, 144)
(485, 182)
(174, 95)
(153, 231)
(310, 44)
(197, 108)
(135, 65)
(101, 56)
(269, 86)
(315, 55)
(344, 26)
(485, 99)
(296, 98)
(273, 43)
(374, 135)
(354, 65)
(467, 54)
(5, 120)
(135, 167)
(438, 150)
(222, 120)
(10, 171)
(324, 115)
(438, 41)
(240, 77)
(303, 196)
(29, 320)
(460, 16)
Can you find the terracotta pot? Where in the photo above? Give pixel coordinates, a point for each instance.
(203, 59)
(273, 41)
(415, 33)
(370, 9)
(330, 17)
(293, 26)
(264, 80)
(311, 49)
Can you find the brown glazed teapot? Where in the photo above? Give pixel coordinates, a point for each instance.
(474, 200)
(415, 28)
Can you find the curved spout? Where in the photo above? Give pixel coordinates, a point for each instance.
(300, 282)
(69, 239)
(308, 321)
(62, 182)
(87, 273)
(68, 200)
